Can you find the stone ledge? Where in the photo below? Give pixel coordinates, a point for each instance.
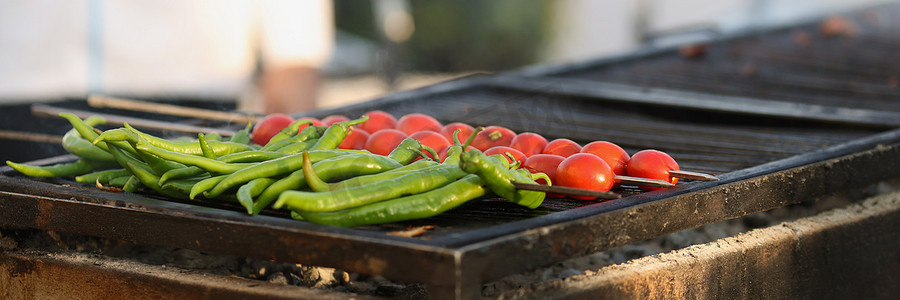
(847, 253)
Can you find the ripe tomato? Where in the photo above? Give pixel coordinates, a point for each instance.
(431, 139)
(415, 122)
(519, 157)
(384, 141)
(493, 136)
(464, 131)
(562, 147)
(269, 127)
(547, 164)
(315, 122)
(652, 164)
(529, 143)
(611, 153)
(586, 171)
(334, 119)
(378, 120)
(355, 140)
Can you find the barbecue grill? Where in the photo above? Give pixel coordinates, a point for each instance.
(777, 120)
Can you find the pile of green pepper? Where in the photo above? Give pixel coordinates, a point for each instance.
(301, 171)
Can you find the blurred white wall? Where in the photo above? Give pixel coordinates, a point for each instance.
(585, 29)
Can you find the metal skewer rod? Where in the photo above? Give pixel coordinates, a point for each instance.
(566, 190)
(692, 175)
(30, 136)
(628, 180)
(101, 101)
(45, 110)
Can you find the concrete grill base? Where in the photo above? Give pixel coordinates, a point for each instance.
(848, 253)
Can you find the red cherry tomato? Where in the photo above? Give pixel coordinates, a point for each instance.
(562, 147)
(547, 164)
(431, 139)
(652, 164)
(378, 120)
(384, 141)
(442, 153)
(315, 122)
(269, 127)
(611, 153)
(355, 140)
(415, 122)
(334, 119)
(464, 131)
(586, 171)
(493, 136)
(529, 143)
(503, 149)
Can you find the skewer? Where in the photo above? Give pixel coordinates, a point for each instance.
(565, 190)
(628, 180)
(101, 101)
(30, 136)
(692, 175)
(45, 110)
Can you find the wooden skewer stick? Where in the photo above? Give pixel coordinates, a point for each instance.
(692, 175)
(45, 110)
(566, 190)
(30, 136)
(628, 180)
(101, 101)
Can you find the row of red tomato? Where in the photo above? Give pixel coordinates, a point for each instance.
(592, 166)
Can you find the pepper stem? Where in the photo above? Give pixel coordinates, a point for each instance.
(315, 183)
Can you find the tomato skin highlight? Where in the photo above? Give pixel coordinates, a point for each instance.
(547, 164)
(327, 121)
(529, 143)
(415, 122)
(519, 157)
(562, 147)
(431, 139)
(355, 140)
(493, 136)
(611, 153)
(378, 120)
(384, 141)
(585, 171)
(465, 130)
(652, 164)
(269, 126)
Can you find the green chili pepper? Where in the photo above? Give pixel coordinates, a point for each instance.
(366, 179)
(250, 156)
(179, 173)
(330, 169)
(204, 185)
(289, 131)
(102, 177)
(212, 165)
(88, 132)
(81, 147)
(297, 147)
(336, 133)
(120, 182)
(218, 147)
(252, 189)
(427, 179)
(499, 178)
(269, 168)
(407, 151)
(142, 171)
(242, 136)
(204, 147)
(79, 167)
(416, 206)
(182, 186)
(132, 184)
